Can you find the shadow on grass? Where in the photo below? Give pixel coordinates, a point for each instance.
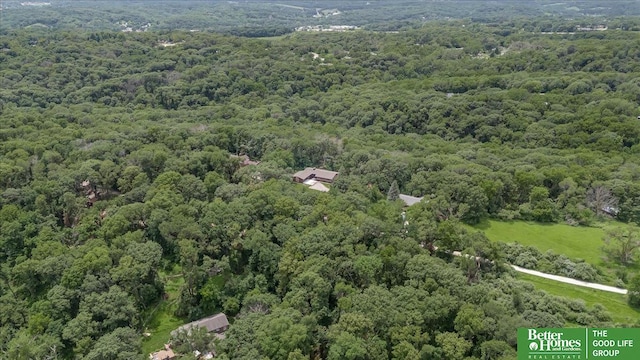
(160, 320)
(482, 225)
(486, 224)
(615, 304)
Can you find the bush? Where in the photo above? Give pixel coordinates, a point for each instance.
(578, 306)
(600, 313)
(549, 262)
(584, 319)
(545, 265)
(508, 215)
(563, 266)
(633, 297)
(543, 319)
(514, 251)
(622, 275)
(584, 271)
(578, 215)
(526, 260)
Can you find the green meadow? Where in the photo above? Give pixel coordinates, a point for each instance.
(575, 242)
(160, 321)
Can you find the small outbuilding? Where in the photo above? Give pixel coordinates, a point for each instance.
(217, 323)
(409, 200)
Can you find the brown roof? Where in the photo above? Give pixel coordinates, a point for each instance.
(315, 173)
(215, 323)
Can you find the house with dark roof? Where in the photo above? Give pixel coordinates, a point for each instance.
(322, 175)
(217, 323)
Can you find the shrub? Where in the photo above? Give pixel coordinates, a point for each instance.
(543, 319)
(549, 262)
(633, 297)
(584, 271)
(526, 260)
(584, 319)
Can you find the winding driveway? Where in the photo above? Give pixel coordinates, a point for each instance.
(558, 278)
(571, 281)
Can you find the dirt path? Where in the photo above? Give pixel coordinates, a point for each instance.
(570, 280)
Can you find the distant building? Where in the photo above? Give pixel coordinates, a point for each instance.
(246, 161)
(217, 323)
(29, 3)
(322, 175)
(592, 28)
(166, 354)
(91, 193)
(409, 200)
(329, 28)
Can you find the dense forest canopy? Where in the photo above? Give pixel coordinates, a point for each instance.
(121, 178)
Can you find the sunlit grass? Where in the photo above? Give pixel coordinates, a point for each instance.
(616, 304)
(160, 321)
(575, 242)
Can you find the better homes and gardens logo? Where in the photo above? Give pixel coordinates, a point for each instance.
(551, 343)
(577, 343)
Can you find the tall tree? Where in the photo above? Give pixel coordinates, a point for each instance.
(394, 191)
(622, 244)
(121, 344)
(602, 201)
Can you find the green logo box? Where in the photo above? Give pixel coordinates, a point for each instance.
(578, 343)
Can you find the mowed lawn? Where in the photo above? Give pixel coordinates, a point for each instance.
(616, 304)
(572, 241)
(160, 321)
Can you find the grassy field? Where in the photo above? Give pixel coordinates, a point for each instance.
(572, 241)
(616, 304)
(575, 242)
(160, 321)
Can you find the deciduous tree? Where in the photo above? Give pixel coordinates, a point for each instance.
(622, 244)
